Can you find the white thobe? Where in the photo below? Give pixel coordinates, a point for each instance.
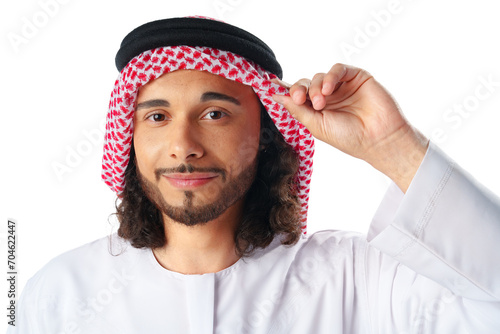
(430, 264)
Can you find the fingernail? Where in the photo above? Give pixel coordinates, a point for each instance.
(316, 101)
(326, 88)
(278, 98)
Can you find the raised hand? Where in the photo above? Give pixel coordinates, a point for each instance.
(348, 109)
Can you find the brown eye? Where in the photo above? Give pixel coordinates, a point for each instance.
(215, 114)
(157, 117)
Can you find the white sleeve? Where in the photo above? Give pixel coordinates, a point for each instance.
(446, 230)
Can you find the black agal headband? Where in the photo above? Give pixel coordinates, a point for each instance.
(193, 31)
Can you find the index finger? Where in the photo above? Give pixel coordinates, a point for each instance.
(299, 90)
(339, 73)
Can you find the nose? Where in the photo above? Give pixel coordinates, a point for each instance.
(184, 141)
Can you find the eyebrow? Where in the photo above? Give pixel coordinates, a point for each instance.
(208, 96)
(152, 104)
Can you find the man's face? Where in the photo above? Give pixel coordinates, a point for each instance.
(196, 138)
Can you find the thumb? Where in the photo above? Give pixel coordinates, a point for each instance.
(304, 113)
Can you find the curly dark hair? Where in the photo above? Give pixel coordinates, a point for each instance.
(271, 205)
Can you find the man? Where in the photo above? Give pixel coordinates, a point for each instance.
(212, 160)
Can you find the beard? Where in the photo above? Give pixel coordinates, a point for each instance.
(189, 214)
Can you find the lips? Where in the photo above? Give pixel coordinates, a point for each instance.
(190, 181)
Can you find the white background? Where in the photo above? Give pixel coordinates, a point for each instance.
(56, 82)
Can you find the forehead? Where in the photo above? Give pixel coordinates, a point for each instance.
(194, 81)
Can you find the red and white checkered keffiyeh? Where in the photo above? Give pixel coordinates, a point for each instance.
(151, 64)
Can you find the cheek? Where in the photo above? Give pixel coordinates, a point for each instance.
(248, 148)
(147, 154)
(244, 146)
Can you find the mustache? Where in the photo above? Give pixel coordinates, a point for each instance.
(189, 168)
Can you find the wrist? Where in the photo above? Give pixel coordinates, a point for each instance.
(400, 156)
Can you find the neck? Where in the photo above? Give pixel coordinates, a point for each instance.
(200, 249)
